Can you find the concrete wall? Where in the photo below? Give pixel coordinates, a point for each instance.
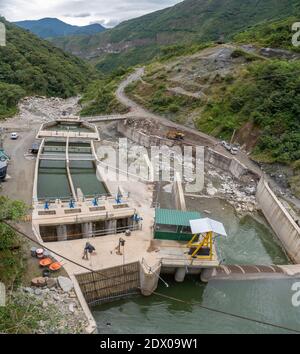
(178, 195)
(92, 326)
(280, 220)
(141, 138)
(225, 163)
(217, 159)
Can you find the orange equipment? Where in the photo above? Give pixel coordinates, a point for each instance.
(45, 262)
(55, 266)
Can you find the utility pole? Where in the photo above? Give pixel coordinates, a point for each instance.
(232, 136)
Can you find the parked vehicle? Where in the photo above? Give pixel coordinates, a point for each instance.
(14, 136)
(226, 145)
(234, 150)
(35, 148)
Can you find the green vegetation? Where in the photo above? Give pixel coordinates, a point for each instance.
(22, 314)
(99, 97)
(31, 66)
(268, 95)
(9, 97)
(178, 50)
(154, 94)
(19, 315)
(11, 265)
(146, 55)
(274, 34)
(139, 40)
(126, 59)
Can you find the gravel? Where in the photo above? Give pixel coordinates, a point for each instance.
(60, 311)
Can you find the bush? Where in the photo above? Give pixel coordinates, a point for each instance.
(269, 96)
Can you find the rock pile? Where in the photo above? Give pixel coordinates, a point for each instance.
(59, 306)
(239, 195)
(43, 109)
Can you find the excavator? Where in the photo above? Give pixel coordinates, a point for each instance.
(175, 135)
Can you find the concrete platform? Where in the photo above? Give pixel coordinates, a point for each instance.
(135, 249)
(175, 254)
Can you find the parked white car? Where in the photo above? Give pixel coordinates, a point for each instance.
(226, 145)
(14, 136)
(234, 150)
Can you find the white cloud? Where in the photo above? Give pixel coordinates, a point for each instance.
(81, 12)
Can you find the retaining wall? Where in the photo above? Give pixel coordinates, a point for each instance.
(226, 163)
(141, 138)
(280, 220)
(216, 159)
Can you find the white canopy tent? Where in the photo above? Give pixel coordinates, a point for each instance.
(200, 226)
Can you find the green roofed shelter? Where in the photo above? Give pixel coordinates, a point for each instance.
(171, 224)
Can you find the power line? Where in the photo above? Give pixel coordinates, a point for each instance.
(229, 314)
(157, 293)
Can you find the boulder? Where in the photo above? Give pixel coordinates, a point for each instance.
(51, 282)
(38, 282)
(65, 284)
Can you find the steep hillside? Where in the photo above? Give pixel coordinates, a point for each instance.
(223, 90)
(137, 40)
(31, 66)
(274, 34)
(52, 27)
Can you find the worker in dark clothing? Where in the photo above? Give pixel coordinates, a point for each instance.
(88, 249)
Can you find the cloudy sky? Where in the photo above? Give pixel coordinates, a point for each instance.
(81, 12)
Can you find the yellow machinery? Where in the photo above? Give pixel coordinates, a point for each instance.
(204, 231)
(175, 135)
(202, 243)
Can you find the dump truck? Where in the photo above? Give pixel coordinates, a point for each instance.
(175, 135)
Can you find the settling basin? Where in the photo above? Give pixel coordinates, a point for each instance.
(53, 180)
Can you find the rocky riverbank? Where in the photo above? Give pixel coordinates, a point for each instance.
(239, 194)
(58, 308)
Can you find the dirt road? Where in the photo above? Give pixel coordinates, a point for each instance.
(21, 167)
(32, 112)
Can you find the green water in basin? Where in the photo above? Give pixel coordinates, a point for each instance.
(53, 180)
(84, 176)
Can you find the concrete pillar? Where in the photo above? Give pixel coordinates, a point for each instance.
(178, 195)
(180, 274)
(87, 229)
(62, 234)
(111, 225)
(207, 274)
(149, 279)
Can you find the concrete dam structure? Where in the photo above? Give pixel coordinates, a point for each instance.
(280, 220)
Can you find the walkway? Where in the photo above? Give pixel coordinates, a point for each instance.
(250, 272)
